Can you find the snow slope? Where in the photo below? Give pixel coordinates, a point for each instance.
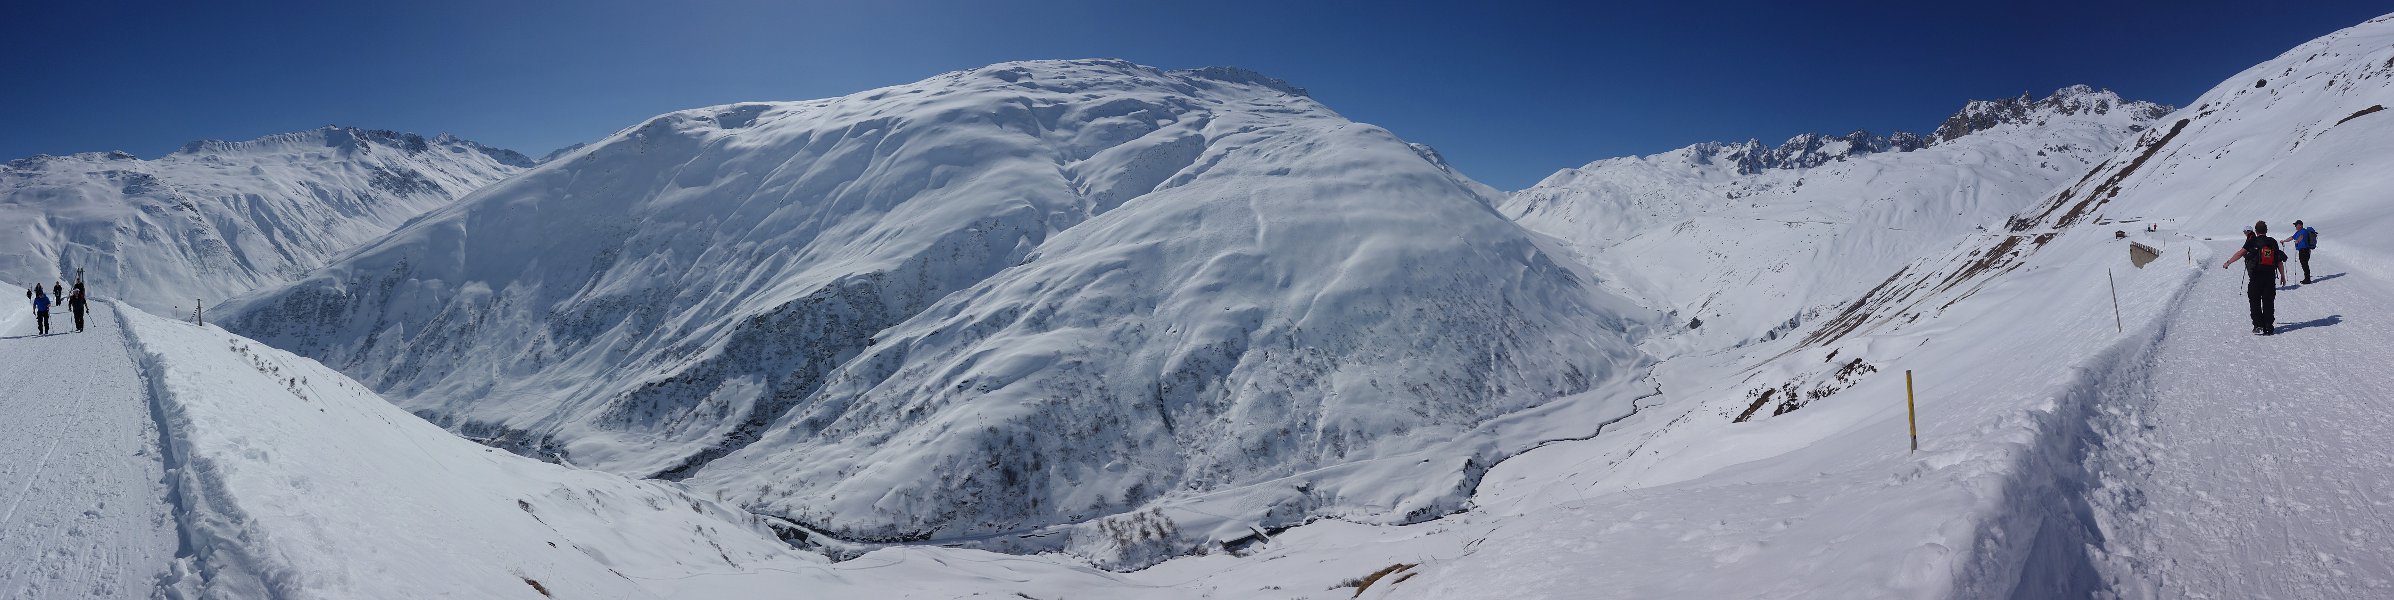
(292, 481)
(1743, 242)
(216, 219)
(1027, 295)
(2015, 492)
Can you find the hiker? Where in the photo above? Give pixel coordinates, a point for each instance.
(2258, 292)
(2304, 239)
(41, 312)
(76, 305)
(57, 294)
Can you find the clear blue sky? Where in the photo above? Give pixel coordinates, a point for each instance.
(1508, 91)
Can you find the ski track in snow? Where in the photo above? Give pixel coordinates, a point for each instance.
(86, 513)
(2256, 467)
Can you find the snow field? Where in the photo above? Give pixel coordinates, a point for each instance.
(83, 512)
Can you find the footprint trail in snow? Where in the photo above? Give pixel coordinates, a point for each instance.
(83, 511)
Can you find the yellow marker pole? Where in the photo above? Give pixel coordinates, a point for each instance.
(1909, 411)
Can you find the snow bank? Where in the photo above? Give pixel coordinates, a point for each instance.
(294, 481)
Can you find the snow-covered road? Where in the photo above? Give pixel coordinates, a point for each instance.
(2257, 467)
(83, 510)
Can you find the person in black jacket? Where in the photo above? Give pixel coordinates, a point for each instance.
(75, 305)
(2259, 293)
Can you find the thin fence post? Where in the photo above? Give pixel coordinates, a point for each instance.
(2115, 302)
(1911, 413)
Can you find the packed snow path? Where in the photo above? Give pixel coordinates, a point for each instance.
(83, 509)
(2257, 467)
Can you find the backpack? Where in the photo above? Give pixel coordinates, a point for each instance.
(2263, 252)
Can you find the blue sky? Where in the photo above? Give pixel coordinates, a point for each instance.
(1508, 91)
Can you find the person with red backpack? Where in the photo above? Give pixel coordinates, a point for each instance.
(2259, 293)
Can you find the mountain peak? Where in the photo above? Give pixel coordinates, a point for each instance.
(1981, 115)
(1240, 75)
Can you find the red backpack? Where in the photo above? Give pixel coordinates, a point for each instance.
(2269, 254)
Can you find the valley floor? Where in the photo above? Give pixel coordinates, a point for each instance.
(2256, 467)
(83, 507)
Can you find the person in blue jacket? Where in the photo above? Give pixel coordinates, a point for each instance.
(41, 311)
(2304, 239)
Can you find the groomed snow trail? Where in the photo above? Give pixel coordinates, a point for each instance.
(2257, 467)
(83, 509)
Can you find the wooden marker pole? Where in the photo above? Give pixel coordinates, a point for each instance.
(1910, 412)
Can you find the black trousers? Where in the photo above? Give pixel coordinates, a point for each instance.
(78, 320)
(2306, 256)
(41, 321)
(2262, 293)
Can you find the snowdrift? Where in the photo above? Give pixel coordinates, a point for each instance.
(216, 219)
(1027, 295)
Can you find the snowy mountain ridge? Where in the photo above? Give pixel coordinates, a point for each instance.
(1744, 245)
(218, 218)
(1809, 150)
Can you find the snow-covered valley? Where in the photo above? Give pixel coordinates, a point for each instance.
(1062, 329)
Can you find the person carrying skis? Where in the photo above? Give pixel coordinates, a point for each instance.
(2259, 294)
(75, 304)
(2304, 239)
(41, 311)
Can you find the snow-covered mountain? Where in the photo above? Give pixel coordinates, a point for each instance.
(1027, 295)
(1746, 241)
(216, 219)
(1167, 334)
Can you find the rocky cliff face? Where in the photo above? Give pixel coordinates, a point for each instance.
(1981, 115)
